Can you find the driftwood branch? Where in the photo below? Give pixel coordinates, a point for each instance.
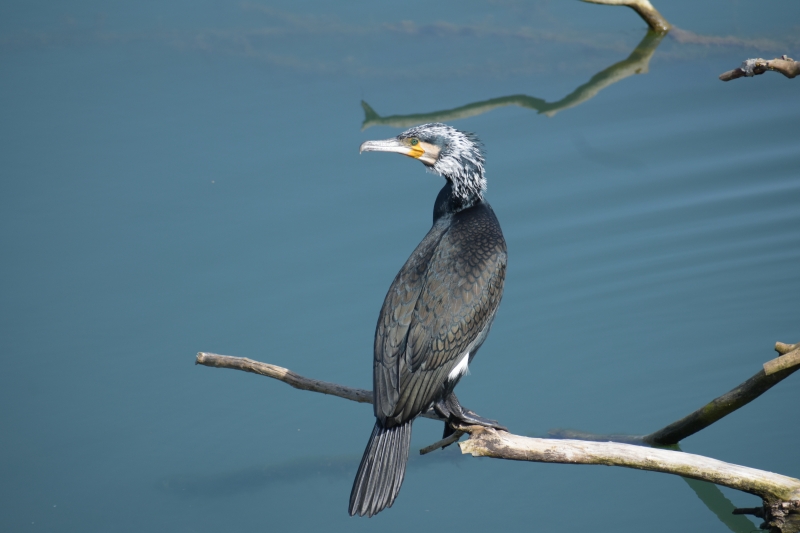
(283, 374)
(779, 493)
(771, 373)
(486, 442)
(754, 67)
(645, 9)
(290, 378)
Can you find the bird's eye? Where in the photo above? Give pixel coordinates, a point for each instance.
(414, 142)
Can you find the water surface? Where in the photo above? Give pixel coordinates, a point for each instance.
(179, 177)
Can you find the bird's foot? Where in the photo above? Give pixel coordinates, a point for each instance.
(470, 418)
(455, 414)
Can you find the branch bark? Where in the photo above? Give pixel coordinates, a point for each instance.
(290, 378)
(486, 442)
(754, 67)
(772, 373)
(779, 493)
(283, 374)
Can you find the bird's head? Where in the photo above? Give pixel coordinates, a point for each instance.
(455, 155)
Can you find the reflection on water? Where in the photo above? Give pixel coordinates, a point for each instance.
(636, 63)
(721, 506)
(260, 477)
(308, 469)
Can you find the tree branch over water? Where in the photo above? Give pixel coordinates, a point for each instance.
(780, 494)
(771, 373)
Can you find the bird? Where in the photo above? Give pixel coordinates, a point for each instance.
(437, 312)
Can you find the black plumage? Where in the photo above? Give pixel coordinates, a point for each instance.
(437, 312)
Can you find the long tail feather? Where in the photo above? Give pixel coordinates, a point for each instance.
(382, 470)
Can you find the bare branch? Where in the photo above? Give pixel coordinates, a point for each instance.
(754, 67)
(486, 442)
(287, 376)
(773, 373)
(785, 362)
(783, 348)
(779, 493)
(283, 374)
(597, 437)
(645, 9)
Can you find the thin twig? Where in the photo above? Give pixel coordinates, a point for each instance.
(291, 378)
(283, 374)
(447, 441)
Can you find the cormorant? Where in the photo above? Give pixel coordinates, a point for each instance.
(437, 312)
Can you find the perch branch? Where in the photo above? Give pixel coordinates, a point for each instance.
(291, 378)
(486, 442)
(283, 374)
(490, 443)
(754, 67)
(645, 9)
(780, 494)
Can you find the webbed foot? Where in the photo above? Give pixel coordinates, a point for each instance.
(456, 414)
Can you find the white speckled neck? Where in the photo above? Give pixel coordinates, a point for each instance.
(460, 160)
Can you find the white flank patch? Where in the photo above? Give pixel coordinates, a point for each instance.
(460, 369)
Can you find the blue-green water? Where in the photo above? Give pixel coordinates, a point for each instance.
(184, 176)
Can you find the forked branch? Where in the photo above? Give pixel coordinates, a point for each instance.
(485, 442)
(776, 490)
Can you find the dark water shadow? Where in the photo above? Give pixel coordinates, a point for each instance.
(710, 494)
(637, 62)
(261, 477)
